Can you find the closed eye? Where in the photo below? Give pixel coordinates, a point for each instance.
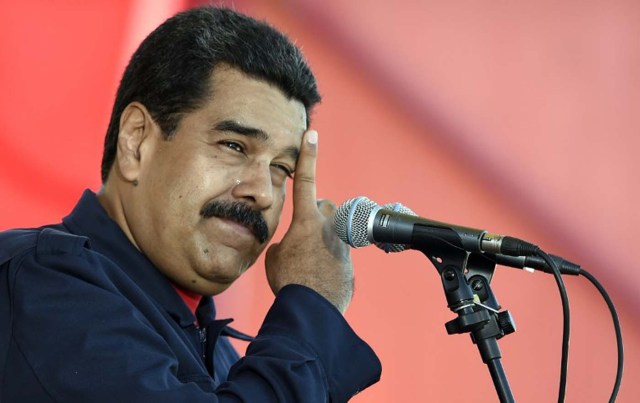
(285, 169)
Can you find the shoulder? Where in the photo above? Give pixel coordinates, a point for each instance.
(40, 241)
(38, 254)
(15, 242)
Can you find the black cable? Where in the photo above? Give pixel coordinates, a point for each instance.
(566, 323)
(616, 325)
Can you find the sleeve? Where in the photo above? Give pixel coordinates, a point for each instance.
(305, 352)
(76, 339)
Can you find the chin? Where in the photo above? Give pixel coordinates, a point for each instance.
(210, 289)
(220, 268)
(222, 277)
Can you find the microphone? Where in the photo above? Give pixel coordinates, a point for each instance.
(360, 222)
(392, 247)
(528, 263)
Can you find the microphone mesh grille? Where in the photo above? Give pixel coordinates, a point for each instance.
(351, 220)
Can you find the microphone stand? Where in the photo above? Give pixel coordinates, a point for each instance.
(466, 277)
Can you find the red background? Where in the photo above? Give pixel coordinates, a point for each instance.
(518, 117)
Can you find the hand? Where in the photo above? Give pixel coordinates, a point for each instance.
(310, 253)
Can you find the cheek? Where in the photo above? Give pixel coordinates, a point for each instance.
(206, 182)
(274, 214)
(279, 198)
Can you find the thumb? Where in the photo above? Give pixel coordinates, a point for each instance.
(271, 250)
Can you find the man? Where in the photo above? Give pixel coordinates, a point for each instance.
(210, 120)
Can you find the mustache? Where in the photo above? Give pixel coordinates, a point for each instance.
(240, 213)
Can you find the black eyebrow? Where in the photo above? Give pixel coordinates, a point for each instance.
(232, 126)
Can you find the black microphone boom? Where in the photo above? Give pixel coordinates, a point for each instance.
(360, 222)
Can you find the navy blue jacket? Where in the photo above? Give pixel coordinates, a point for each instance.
(85, 317)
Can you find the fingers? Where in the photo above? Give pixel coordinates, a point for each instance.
(304, 182)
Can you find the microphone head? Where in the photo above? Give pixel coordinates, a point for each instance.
(395, 247)
(351, 221)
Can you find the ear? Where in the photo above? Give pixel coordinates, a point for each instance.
(136, 129)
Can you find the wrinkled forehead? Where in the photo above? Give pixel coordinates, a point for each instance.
(238, 87)
(255, 103)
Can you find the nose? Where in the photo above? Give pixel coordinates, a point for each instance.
(254, 186)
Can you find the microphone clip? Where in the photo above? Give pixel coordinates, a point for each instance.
(466, 278)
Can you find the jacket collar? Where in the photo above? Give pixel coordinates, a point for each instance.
(89, 219)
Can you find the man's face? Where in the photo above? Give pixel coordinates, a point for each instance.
(209, 200)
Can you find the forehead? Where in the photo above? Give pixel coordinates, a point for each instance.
(254, 103)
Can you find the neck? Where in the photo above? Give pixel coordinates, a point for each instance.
(109, 198)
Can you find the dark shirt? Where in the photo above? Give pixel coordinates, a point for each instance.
(86, 317)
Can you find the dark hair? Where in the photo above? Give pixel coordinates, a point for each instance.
(170, 72)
